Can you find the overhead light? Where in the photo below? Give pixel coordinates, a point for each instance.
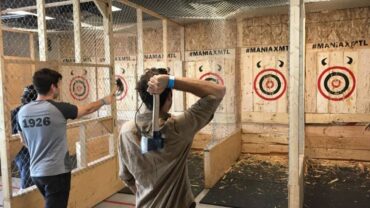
(25, 13)
(21, 13)
(115, 9)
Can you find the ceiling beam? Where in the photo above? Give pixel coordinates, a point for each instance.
(34, 7)
(326, 5)
(102, 6)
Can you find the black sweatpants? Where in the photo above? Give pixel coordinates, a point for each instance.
(55, 189)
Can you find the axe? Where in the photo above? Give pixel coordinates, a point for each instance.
(156, 141)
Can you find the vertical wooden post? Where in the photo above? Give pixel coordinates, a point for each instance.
(32, 46)
(302, 67)
(140, 44)
(239, 35)
(81, 148)
(77, 30)
(32, 52)
(109, 58)
(301, 129)
(41, 21)
(165, 41)
(238, 67)
(6, 176)
(294, 98)
(182, 48)
(182, 43)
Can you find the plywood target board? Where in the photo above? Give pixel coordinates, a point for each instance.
(337, 80)
(217, 66)
(78, 84)
(264, 81)
(174, 63)
(125, 70)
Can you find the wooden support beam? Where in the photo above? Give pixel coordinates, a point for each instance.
(140, 43)
(147, 11)
(41, 22)
(302, 168)
(165, 42)
(32, 52)
(200, 141)
(337, 118)
(182, 48)
(103, 7)
(84, 184)
(182, 42)
(239, 34)
(302, 67)
(77, 30)
(96, 148)
(294, 102)
(265, 117)
(6, 177)
(109, 58)
(81, 148)
(49, 5)
(219, 157)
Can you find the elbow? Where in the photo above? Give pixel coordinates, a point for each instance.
(222, 92)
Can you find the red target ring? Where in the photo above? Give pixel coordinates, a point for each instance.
(123, 94)
(79, 88)
(335, 76)
(213, 77)
(279, 80)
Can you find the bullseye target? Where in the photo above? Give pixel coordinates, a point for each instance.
(336, 83)
(79, 88)
(270, 84)
(122, 94)
(212, 77)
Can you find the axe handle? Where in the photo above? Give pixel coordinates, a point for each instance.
(155, 117)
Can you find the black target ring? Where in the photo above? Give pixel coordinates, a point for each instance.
(345, 88)
(331, 72)
(76, 83)
(266, 77)
(276, 75)
(212, 77)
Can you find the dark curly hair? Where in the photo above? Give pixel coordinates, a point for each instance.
(142, 86)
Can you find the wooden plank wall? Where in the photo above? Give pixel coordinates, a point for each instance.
(85, 179)
(338, 39)
(264, 116)
(219, 69)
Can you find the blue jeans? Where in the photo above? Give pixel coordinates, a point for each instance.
(22, 160)
(55, 189)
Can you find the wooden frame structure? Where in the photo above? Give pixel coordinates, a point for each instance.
(296, 118)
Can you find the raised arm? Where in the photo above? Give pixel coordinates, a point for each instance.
(200, 88)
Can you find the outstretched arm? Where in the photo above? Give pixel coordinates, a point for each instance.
(94, 106)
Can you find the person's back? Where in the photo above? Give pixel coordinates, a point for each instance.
(46, 121)
(42, 126)
(160, 178)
